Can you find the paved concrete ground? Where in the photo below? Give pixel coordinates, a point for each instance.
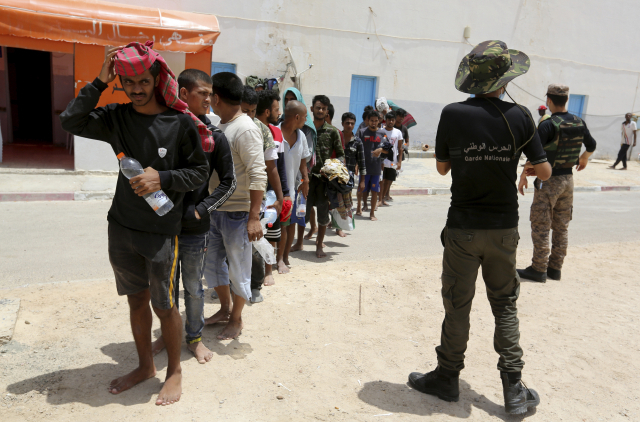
(417, 173)
(45, 242)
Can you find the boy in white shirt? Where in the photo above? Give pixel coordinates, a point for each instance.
(389, 172)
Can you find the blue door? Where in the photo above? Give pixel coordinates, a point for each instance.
(576, 105)
(363, 93)
(217, 67)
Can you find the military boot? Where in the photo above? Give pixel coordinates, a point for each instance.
(517, 397)
(441, 382)
(530, 274)
(553, 274)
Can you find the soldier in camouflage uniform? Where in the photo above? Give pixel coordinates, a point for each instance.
(562, 136)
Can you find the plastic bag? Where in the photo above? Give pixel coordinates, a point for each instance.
(265, 249)
(340, 223)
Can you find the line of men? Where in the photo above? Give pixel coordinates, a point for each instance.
(216, 178)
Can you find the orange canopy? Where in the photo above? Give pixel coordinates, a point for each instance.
(104, 23)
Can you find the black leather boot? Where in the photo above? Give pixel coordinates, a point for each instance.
(441, 382)
(517, 397)
(530, 274)
(553, 274)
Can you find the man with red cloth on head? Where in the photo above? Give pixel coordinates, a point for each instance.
(156, 129)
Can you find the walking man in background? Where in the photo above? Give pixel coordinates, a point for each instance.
(143, 246)
(629, 133)
(542, 112)
(482, 225)
(562, 137)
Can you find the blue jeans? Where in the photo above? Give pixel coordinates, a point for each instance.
(191, 258)
(229, 240)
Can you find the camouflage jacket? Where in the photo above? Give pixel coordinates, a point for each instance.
(328, 141)
(267, 137)
(354, 155)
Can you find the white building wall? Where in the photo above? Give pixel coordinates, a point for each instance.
(586, 44)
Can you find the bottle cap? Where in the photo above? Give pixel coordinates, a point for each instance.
(120, 156)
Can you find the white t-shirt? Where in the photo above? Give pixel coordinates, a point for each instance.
(628, 130)
(394, 135)
(293, 155)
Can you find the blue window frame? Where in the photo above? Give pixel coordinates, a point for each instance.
(363, 93)
(217, 67)
(576, 105)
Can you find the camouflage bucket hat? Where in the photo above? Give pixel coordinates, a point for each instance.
(490, 66)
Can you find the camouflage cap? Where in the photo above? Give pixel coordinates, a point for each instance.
(559, 90)
(490, 66)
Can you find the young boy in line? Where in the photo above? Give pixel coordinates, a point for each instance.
(372, 143)
(389, 172)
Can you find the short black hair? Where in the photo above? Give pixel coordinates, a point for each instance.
(189, 78)
(371, 113)
(155, 69)
(228, 86)
(324, 100)
(401, 112)
(265, 100)
(558, 100)
(348, 115)
(331, 111)
(366, 110)
(249, 96)
(390, 115)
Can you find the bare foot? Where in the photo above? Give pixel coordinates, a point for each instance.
(269, 281)
(282, 268)
(171, 391)
(220, 316)
(385, 203)
(359, 212)
(200, 351)
(323, 245)
(373, 218)
(133, 378)
(365, 208)
(157, 346)
(341, 233)
(297, 247)
(231, 331)
(320, 253)
(312, 231)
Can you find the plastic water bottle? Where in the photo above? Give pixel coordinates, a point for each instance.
(270, 214)
(301, 206)
(159, 200)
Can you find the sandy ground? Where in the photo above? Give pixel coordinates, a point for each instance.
(307, 344)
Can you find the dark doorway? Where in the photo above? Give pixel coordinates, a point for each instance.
(30, 95)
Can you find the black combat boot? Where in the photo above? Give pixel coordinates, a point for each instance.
(553, 274)
(517, 397)
(530, 274)
(441, 382)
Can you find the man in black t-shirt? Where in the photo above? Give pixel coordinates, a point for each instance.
(482, 225)
(400, 115)
(562, 136)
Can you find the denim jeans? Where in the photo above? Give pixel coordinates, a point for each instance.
(191, 258)
(229, 241)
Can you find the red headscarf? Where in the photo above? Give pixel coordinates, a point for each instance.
(136, 59)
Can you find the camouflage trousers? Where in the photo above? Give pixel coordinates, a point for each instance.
(552, 209)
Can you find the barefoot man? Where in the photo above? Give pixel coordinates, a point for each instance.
(195, 90)
(236, 223)
(296, 153)
(328, 143)
(143, 246)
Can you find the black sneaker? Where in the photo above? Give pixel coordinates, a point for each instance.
(442, 383)
(517, 397)
(553, 274)
(530, 274)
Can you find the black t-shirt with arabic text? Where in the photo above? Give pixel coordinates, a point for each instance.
(474, 136)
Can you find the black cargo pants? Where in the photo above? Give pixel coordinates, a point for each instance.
(465, 251)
